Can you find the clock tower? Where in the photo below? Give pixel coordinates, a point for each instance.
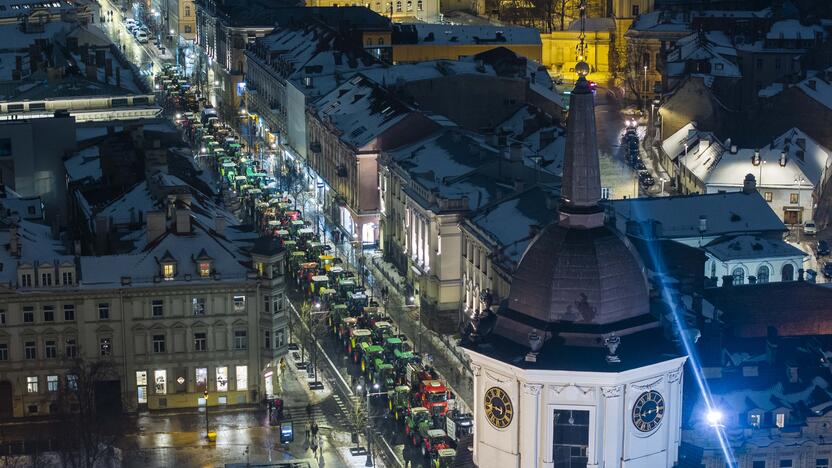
(574, 370)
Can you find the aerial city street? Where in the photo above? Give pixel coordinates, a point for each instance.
(416, 233)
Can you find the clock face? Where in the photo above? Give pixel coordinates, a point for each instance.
(648, 411)
(498, 407)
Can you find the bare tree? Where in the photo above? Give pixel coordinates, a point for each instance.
(357, 417)
(87, 430)
(633, 73)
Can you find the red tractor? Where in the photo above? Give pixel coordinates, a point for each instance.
(433, 395)
(434, 440)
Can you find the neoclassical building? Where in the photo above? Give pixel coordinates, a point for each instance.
(574, 370)
(197, 308)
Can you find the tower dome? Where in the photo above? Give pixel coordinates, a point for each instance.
(578, 278)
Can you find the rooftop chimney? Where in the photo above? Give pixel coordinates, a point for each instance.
(755, 160)
(749, 185)
(155, 225)
(703, 223)
(183, 221)
(783, 159)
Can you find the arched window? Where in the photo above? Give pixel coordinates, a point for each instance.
(381, 41)
(739, 276)
(409, 5)
(399, 5)
(762, 274)
(788, 272)
(419, 5)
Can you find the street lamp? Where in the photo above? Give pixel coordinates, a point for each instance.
(714, 418)
(663, 180)
(376, 387)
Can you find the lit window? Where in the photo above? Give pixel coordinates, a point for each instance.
(794, 198)
(201, 379)
(105, 345)
(141, 377)
(198, 305)
(780, 420)
(204, 269)
(239, 303)
(168, 271)
(754, 420)
(51, 383)
(222, 379)
(32, 384)
(768, 196)
(160, 378)
(72, 382)
(242, 377)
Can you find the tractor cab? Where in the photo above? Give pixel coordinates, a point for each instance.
(443, 458)
(357, 336)
(384, 374)
(381, 330)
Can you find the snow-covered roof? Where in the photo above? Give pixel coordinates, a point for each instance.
(725, 213)
(819, 87)
(13, 204)
(750, 246)
(771, 90)
(361, 110)
(36, 246)
(736, 14)
(228, 258)
(508, 222)
(541, 138)
(699, 151)
(86, 164)
(661, 21)
(714, 47)
(805, 158)
(457, 34)
(792, 29)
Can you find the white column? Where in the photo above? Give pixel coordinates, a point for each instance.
(530, 425)
(611, 422)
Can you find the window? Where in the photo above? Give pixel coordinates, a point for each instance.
(72, 382)
(201, 379)
(409, 5)
(158, 343)
(30, 350)
(399, 6)
(279, 338)
(780, 421)
(51, 349)
(188, 29)
(786, 463)
(758, 464)
(777, 63)
(141, 387)
(32, 384)
(755, 419)
(242, 377)
(187, 11)
(739, 276)
(759, 64)
(240, 339)
(822, 463)
(46, 279)
(571, 437)
(66, 278)
(141, 377)
(28, 314)
(381, 41)
(419, 5)
(277, 305)
(71, 348)
(103, 310)
(267, 303)
(200, 342)
(198, 305)
(787, 274)
(763, 274)
(4, 351)
(204, 269)
(51, 383)
(160, 379)
(168, 271)
(69, 312)
(239, 303)
(794, 198)
(106, 346)
(635, 10)
(48, 313)
(768, 196)
(2, 317)
(157, 308)
(267, 339)
(222, 379)
(26, 280)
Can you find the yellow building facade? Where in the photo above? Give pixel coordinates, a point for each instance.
(396, 10)
(560, 53)
(403, 53)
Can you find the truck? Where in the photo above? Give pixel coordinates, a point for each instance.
(457, 425)
(433, 395)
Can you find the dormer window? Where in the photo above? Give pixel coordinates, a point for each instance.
(204, 269)
(46, 279)
(168, 271)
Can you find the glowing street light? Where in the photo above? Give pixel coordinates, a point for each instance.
(714, 417)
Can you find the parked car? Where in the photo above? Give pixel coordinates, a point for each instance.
(129, 22)
(822, 248)
(827, 269)
(639, 165)
(141, 36)
(810, 228)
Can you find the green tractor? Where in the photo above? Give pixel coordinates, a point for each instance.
(369, 352)
(399, 401)
(339, 313)
(384, 374)
(381, 331)
(357, 338)
(417, 417)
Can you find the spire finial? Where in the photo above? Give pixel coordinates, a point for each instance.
(582, 68)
